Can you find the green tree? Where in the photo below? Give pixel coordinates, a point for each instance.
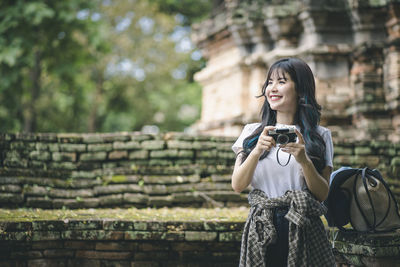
(43, 47)
(148, 78)
(102, 65)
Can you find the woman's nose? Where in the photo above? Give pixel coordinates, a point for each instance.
(273, 87)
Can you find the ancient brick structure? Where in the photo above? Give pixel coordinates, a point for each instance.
(352, 46)
(140, 170)
(56, 171)
(196, 243)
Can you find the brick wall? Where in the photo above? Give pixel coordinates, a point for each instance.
(98, 243)
(196, 243)
(134, 169)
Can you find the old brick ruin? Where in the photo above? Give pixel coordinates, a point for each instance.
(56, 171)
(352, 47)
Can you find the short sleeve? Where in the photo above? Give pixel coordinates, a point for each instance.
(329, 148)
(247, 130)
(239, 142)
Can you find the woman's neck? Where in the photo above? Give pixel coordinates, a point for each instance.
(284, 118)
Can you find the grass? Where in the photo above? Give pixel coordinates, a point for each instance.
(149, 214)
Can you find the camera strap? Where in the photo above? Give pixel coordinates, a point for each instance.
(277, 158)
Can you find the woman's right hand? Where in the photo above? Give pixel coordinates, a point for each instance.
(265, 142)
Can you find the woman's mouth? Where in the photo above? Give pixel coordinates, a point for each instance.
(275, 97)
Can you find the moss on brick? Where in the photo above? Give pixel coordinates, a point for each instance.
(132, 214)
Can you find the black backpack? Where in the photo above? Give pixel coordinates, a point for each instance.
(361, 197)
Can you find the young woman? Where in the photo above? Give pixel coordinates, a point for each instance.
(284, 226)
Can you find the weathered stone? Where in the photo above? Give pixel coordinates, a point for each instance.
(10, 180)
(119, 225)
(58, 253)
(155, 189)
(42, 146)
(138, 136)
(93, 138)
(183, 162)
(187, 198)
(72, 147)
(230, 236)
(103, 255)
(49, 225)
(112, 189)
(84, 245)
(46, 262)
(152, 145)
(84, 262)
(20, 145)
(99, 147)
(175, 179)
(34, 164)
(76, 203)
(160, 201)
(169, 153)
(111, 200)
(185, 154)
(205, 186)
(59, 193)
(115, 246)
(39, 202)
(140, 154)
(363, 151)
(91, 235)
(47, 244)
(206, 154)
(135, 198)
(39, 155)
(63, 156)
(12, 226)
(93, 156)
(226, 155)
(181, 188)
(161, 162)
(126, 145)
(176, 144)
(200, 236)
(118, 155)
(54, 147)
(63, 165)
(143, 235)
(45, 235)
(6, 198)
(10, 188)
(86, 174)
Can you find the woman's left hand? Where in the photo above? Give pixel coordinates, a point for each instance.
(298, 150)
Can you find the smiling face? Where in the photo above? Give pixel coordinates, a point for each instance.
(281, 93)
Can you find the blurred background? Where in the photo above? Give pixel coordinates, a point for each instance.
(194, 66)
(99, 66)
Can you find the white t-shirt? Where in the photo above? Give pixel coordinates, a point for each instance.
(273, 178)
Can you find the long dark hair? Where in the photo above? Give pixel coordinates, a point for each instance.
(307, 115)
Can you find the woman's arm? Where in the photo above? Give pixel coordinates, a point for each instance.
(316, 183)
(243, 172)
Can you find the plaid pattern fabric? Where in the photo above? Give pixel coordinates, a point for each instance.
(308, 243)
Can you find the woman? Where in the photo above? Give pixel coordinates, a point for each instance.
(284, 226)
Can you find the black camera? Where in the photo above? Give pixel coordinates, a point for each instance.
(282, 136)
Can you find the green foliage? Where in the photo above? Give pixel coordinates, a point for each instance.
(79, 66)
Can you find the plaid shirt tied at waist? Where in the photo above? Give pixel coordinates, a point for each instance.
(308, 242)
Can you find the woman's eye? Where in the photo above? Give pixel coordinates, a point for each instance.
(281, 82)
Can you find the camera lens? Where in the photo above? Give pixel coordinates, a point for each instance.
(282, 139)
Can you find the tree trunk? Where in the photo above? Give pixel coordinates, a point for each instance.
(30, 110)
